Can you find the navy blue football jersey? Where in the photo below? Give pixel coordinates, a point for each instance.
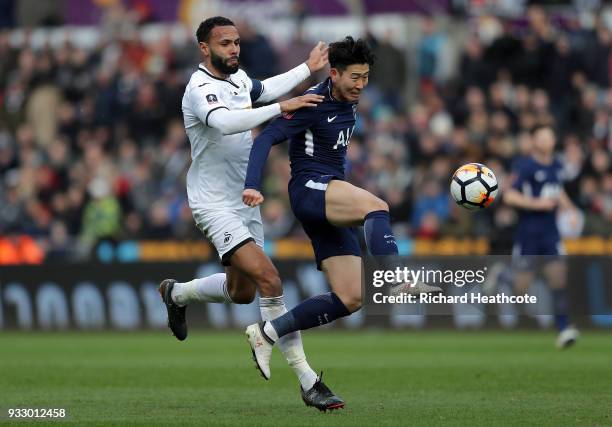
(318, 137)
(534, 179)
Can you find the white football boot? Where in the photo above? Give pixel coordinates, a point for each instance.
(261, 347)
(567, 337)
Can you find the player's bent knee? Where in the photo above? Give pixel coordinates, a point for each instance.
(380, 205)
(375, 204)
(354, 305)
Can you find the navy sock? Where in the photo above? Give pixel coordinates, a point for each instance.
(561, 307)
(378, 235)
(314, 311)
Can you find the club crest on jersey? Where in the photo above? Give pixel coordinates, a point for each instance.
(227, 239)
(287, 115)
(540, 176)
(212, 98)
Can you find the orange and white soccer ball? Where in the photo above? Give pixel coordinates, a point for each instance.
(474, 186)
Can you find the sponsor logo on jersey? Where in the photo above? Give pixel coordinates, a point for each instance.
(212, 98)
(331, 119)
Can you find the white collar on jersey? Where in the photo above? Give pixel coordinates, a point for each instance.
(202, 68)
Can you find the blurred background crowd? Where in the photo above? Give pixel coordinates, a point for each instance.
(92, 144)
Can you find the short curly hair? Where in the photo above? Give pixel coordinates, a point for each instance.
(206, 26)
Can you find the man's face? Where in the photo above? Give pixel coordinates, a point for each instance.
(223, 47)
(544, 140)
(350, 82)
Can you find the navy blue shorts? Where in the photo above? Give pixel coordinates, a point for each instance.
(307, 196)
(547, 248)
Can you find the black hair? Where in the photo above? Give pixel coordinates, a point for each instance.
(206, 26)
(348, 52)
(539, 127)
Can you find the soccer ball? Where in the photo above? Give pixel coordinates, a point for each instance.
(474, 186)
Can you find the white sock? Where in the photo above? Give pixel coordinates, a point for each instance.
(212, 288)
(290, 344)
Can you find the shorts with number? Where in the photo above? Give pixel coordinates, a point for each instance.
(307, 196)
(230, 229)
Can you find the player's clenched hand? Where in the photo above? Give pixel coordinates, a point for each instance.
(252, 197)
(310, 100)
(318, 57)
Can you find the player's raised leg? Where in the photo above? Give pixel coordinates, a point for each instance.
(344, 275)
(251, 262)
(347, 205)
(217, 288)
(176, 296)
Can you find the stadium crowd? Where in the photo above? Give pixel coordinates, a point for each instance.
(92, 144)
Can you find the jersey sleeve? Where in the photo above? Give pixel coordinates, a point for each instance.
(255, 86)
(256, 89)
(206, 98)
(278, 131)
(281, 84)
(519, 175)
(291, 124)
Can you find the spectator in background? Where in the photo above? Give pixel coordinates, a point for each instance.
(431, 207)
(473, 69)
(102, 214)
(430, 50)
(257, 56)
(390, 75)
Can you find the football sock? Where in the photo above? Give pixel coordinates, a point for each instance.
(379, 237)
(314, 311)
(561, 307)
(212, 288)
(291, 344)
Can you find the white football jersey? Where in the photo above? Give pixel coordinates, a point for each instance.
(218, 162)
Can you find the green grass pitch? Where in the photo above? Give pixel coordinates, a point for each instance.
(386, 378)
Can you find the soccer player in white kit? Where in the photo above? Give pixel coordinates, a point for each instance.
(218, 116)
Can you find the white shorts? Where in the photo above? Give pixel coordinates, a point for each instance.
(229, 229)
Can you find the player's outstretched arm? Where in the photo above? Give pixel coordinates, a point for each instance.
(276, 132)
(236, 121)
(251, 196)
(279, 85)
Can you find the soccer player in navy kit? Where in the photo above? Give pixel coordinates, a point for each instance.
(537, 192)
(328, 207)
